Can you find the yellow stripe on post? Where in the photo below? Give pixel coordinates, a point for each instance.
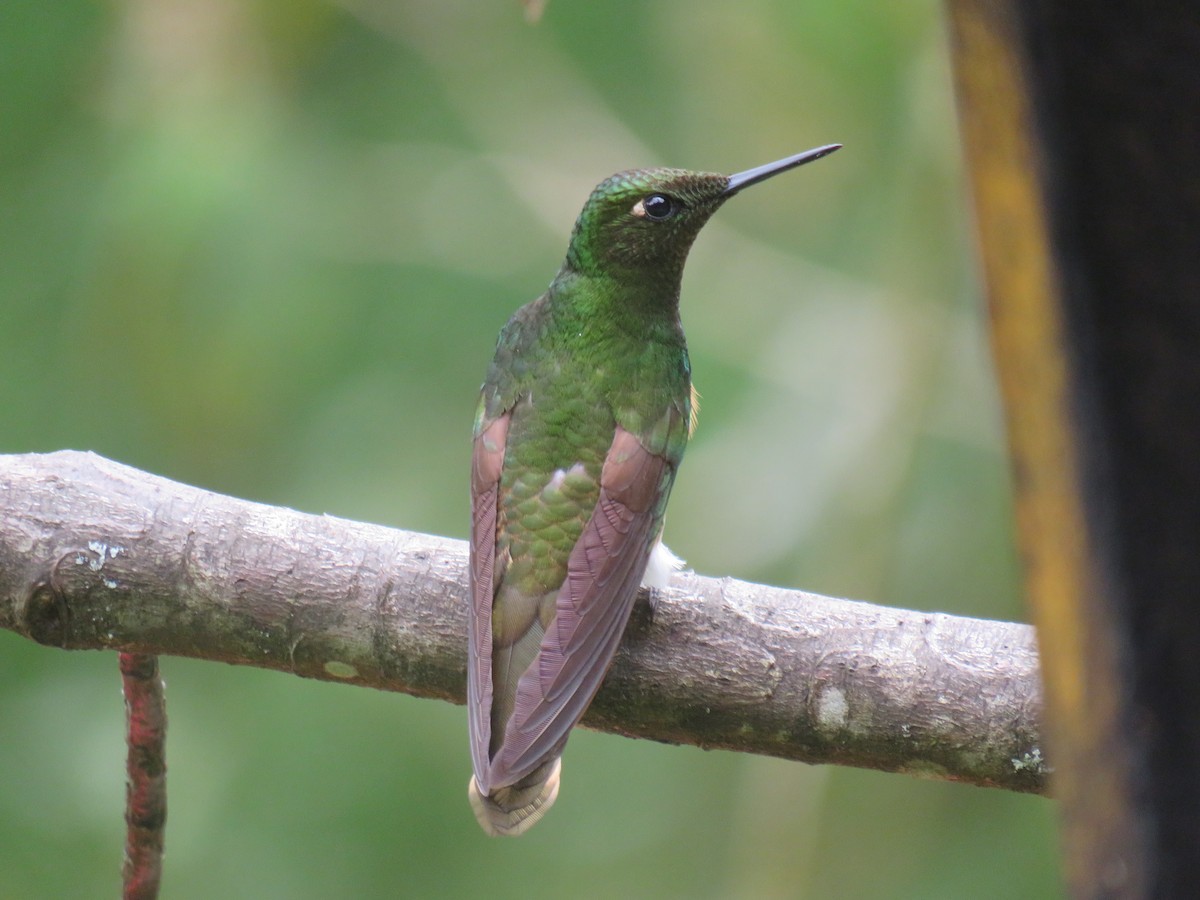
(1093, 778)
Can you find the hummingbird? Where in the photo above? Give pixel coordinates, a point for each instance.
(580, 428)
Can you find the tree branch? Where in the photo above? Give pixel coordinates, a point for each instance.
(94, 554)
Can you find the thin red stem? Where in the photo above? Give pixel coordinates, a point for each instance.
(146, 767)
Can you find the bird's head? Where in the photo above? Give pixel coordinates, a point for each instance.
(643, 221)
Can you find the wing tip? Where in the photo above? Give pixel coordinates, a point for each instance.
(511, 811)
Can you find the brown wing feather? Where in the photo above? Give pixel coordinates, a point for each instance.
(591, 610)
(486, 462)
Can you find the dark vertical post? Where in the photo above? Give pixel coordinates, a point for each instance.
(1082, 130)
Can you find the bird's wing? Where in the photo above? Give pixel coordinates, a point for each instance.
(486, 463)
(591, 609)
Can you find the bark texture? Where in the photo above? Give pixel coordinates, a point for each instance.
(97, 555)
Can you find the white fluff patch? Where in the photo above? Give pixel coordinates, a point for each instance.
(661, 566)
(561, 475)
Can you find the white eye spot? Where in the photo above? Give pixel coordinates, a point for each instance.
(639, 209)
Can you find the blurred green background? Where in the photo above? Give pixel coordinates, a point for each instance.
(264, 247)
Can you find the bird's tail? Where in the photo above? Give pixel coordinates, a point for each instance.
(515, 809)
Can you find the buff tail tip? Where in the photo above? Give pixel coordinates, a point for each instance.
(511, 811)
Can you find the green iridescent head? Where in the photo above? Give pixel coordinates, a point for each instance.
(645, 220)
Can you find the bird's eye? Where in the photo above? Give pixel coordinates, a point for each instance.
(659, 207)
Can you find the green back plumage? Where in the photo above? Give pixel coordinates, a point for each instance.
(608, 326)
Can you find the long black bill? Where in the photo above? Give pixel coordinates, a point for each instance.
(762, 173)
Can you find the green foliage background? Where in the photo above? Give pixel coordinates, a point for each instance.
(264, 247)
